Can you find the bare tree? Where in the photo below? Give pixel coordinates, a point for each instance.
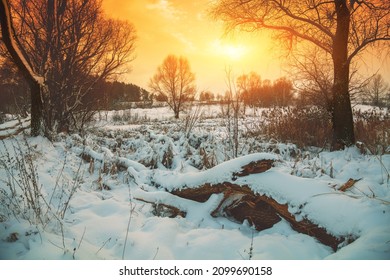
(249, 86)
(35, 82)
(73, 46)
(231, 111)
(175, 81)
(312, 72)
(283, 91)
(341, 28)
(206, 96)
(311, 68)
(375, 91)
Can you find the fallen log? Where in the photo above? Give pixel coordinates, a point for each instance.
(11, 133)
(240, 203)
(7, 131)
(15, 124)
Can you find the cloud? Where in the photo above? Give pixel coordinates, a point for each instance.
(189, 45)
(165, 8)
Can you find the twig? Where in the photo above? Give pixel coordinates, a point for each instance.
(104, 244)
(55, 245)
(82, 237)
(155, 255)
(73, 190)
(241, 255)
(128, 224)
(354, 196)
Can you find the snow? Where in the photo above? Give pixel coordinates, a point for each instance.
(12, 127)
(99, 213)
(175, 180)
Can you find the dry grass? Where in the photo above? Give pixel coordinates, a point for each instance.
(301, 126)
(372, 128)
(311, 126)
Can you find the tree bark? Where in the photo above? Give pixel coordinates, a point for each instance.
(342, 118)
(36, 109)
(24, 68)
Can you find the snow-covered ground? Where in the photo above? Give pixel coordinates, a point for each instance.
(92, 210)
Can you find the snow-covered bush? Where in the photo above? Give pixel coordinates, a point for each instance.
(373, 130)
(21, 190)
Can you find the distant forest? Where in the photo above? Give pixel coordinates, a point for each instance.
(105, 95)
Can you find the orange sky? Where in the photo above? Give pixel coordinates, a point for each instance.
(184, 28)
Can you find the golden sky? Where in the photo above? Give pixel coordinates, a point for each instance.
(182, 27)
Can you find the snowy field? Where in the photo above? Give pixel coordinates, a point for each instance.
(88, 208)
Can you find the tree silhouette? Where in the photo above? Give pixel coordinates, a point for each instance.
(73, 45)
(35, 82)
(341, 28)
(175, 81)
(375, 91)
(249, 86)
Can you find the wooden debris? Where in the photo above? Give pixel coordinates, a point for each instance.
(240, 203)
(255, 167)
(258, 213)
(349, 184)
(11, 131)
(18, 124)
(13, 237)
(164, 210)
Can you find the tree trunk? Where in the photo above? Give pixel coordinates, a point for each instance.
(342, 119)
(24, 68)
(36, 110)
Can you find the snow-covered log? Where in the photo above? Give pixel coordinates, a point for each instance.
(239, 201)
(13, 128)
(241, 204)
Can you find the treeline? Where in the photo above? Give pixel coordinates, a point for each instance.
(105, 95)
(14, 91)
(118, 95)
(265, 93)
(255, 92)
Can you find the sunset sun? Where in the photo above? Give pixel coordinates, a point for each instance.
(234, 52)
(228, 50)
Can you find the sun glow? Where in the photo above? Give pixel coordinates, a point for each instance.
(229, 50)
(195, 36)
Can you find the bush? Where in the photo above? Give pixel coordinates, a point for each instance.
(307, 126)
(21, 193)
(312, 126)
(372, 128)
(23, 197)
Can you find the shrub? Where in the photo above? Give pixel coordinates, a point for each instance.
(372, 128)
(307, 126)
(23, 197)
